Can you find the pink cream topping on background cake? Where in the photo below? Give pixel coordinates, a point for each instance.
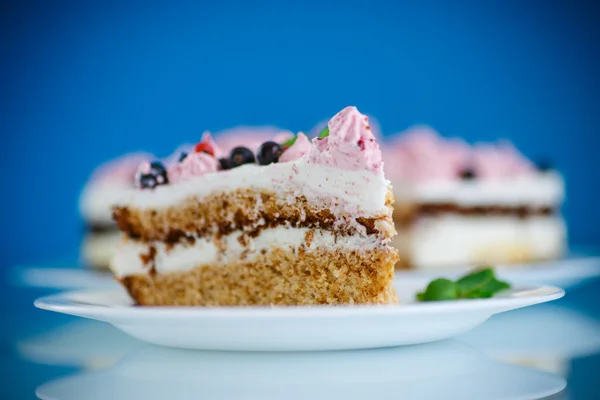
(300, 148)
(350, 144)
(420, 155)
(501, 160)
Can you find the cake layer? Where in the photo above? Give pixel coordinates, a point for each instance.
(251, 211)
(457, 240)
(280, 277)
(534, 190)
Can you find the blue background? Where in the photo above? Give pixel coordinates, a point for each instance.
(81, 82)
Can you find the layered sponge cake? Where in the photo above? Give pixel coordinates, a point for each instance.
(472, 204)
(297, 222)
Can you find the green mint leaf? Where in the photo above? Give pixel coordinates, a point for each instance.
(479, 284)
(439, 290)
(474, 282)
(290, 142)
(480, 294)
(324, 133)
(495, 286)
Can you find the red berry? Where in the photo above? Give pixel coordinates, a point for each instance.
(204, 147)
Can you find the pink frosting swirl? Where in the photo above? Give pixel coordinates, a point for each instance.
(300, 147)
(350, 145)
(375, 128)
(195, 164)
(174, 157)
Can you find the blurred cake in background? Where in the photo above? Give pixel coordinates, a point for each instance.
(459, 204)
(108, 185)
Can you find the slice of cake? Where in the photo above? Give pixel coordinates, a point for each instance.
(471, 205)
(296, 223)
(107, 186)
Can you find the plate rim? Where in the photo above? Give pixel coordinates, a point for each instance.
(63, 303)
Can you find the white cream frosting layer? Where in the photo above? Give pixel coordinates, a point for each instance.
(183, 257)
(98, 198)
(458, 240)
(360, 192)
(540, 189)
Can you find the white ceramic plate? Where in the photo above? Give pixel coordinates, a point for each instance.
(567, 272)
(443, 370)
(294, 328)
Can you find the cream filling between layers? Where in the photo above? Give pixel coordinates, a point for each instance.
(183, 256)
(353, 192)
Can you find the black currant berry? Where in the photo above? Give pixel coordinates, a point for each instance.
(467, 174)
(158, 169)
(269, 152)
(240, 156)
(148, 181)
(156, 176)
(224, 163)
